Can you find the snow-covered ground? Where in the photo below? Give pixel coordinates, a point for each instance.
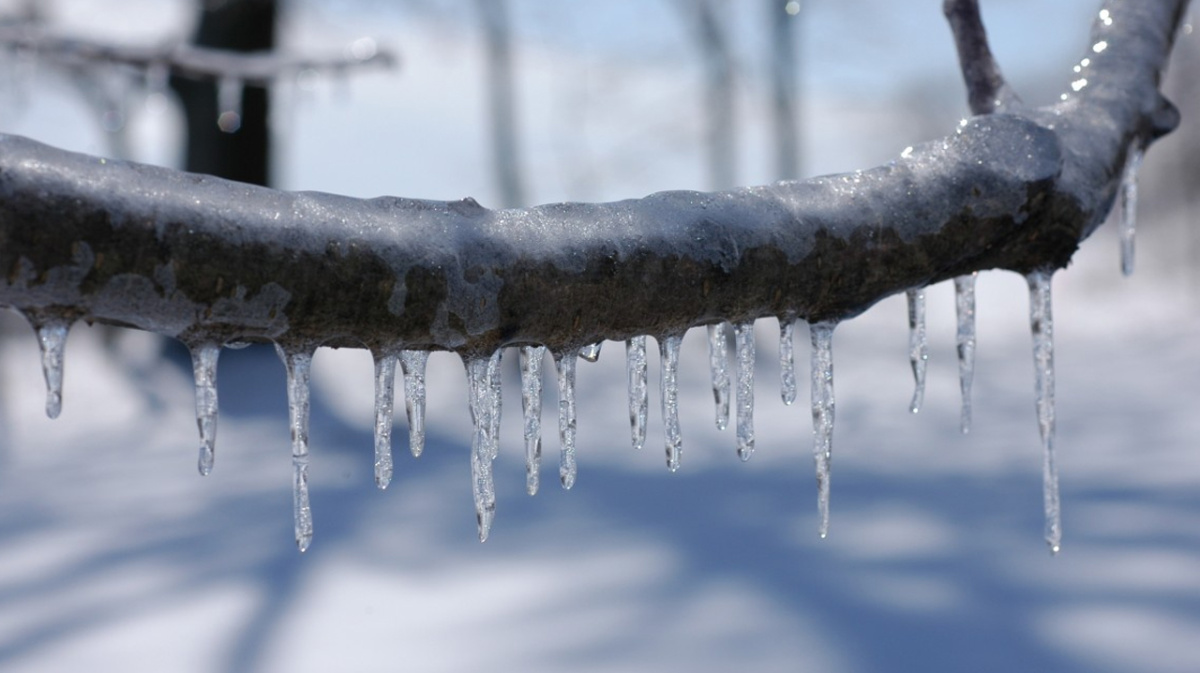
(116, 556)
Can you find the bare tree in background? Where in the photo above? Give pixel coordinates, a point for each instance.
(497, 36)
(785, 109)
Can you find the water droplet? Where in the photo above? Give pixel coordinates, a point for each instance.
(668, 348)
(229, 104)
(1041, 320)
(1129, 199)
(717, 347)
(531, 358)
(787, 359)
(918, 345)
(744, 340)
(964, 305)
(204, 371)
(412, 366)
(822, 413)
(639, 400)
(385, 384)
(565, 362)
(298, 363)
(591, 353)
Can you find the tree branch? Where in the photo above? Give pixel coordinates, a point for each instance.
(210, 260)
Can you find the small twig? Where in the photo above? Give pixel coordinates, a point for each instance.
(987, 91)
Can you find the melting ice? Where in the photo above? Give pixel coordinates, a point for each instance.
(412, 366)
(204, 370)
(635, 366)
(531, 358)
(385, 386)
(299, 366)
(964, 305)
(668, 348)
(717, 347)
(787, 359)
(565, 363)
(918, 345)
(52, 340)
(1041, 320)
(1129, 193)
(744, 341)
(822, 413)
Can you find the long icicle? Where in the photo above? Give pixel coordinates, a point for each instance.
(717, 347)
(744, 341)
(1041, 320)
(639, 399)
(385, 388)
(918, 345)
(964, 307)
(531, 358)
(1129, 199)
(204, 371)
(52, 331)
(494, 398)
(483, 487)
(668, 348)
(565, 362)
(822, 413)
(298, 363)
(412, 365)
(787, 359)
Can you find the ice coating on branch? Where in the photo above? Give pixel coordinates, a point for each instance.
(412, 366)
(204, 371)
(744, 340)
(639, 399)
(229, 104)
(787, 359)
(1129, 199)
(1041, 320)
(591, 352)
(668, 349)
(964, 308)
(717, 347)
(298, 363)
(565, 362)
(531, 358)
(385, 385)
(918, 345)
(52, 333)
(822, 413)
(483, 450)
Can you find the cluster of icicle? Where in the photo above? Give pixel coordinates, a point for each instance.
(483, 374)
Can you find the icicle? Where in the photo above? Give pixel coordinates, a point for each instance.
(822, 412)
(479, 380)
(412, 366)
(565, 363)
(639, 401)
(531, 407)
(918, 345)
(744, 339)
(668, 348)
(1041, 320)
(204, 370)
(787, 358)
(494, 398)
(1129, 194)
(229, 104)
(385, 386)
(52, 340)
(299, 366)
(964, 304)
(717, 346)
(591, 353)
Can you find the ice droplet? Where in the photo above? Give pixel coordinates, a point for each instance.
(668, 348)
(964, 305)
(531, 358)
(639, 400)
(1041, 320)
(918, 345)
(299, 366)
(565, 362)
(229, 104)
(591, 353)
(412, 366)
(1129, 194)
(483, 488)
(52, 333)
(717, 347)
(744, 340)
(204, 370)
(385, 386)
(787, 359)
(822, 413)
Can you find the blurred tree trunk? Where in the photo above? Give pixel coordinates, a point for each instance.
(497, 37)
(719, 93)
(785, 112)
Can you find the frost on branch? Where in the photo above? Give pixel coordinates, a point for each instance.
(213, 262)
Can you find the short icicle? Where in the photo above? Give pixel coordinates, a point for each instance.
(787, 359)
(412, 366)
(964, 304)
(531, 358)
(1041, 320)
(591, 352)
(298, 363)
(717, 347)
(481, 405)
(822, 413)
(204, 370)
(744, 341)
(385, 387)
(52, 333)
(494, 398)
(918, 345)
(1129, 199)
(639, 399)
(565, 362)
(669, 368)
